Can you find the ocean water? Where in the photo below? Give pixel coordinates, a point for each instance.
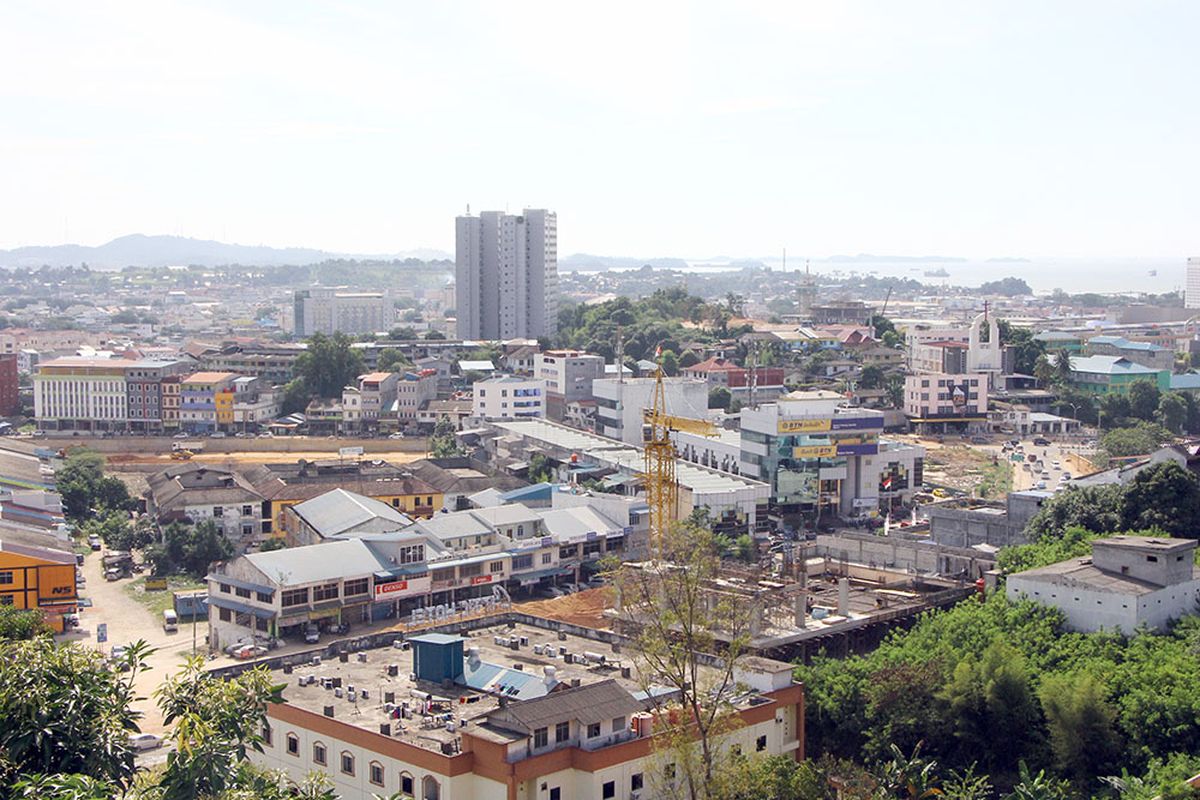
(1044, 275)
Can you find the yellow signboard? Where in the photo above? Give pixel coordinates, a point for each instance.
(815, 451)
(156, 584)
(804, 425)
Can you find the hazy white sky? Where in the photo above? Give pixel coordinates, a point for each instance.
(687, 129)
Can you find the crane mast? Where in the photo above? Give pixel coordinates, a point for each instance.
(662, 487)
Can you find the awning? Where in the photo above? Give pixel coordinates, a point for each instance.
(261, 613)
(530, 578)
(240, 584)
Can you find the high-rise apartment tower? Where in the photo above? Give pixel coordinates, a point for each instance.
(506, 269)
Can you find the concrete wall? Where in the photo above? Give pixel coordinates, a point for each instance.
(907, 554)
(279, 444)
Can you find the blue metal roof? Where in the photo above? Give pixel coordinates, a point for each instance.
(435, 638)
(536, 491)
(221, 602)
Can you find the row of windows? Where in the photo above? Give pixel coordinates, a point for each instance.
(430, 788)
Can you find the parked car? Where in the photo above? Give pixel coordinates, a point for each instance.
(145, 741)
(1040, 485)
(248, 651)
(1055, 464)
(1041, 441)
(94, 542)
(312, 634)
(112, 574)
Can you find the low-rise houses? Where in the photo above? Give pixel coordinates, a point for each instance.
(1101, 375)
(193, 493)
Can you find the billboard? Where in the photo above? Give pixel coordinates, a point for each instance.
(395, 589)
(815, 451)
(838, 423)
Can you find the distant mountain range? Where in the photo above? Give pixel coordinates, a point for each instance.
(140, 250)
(162, 251)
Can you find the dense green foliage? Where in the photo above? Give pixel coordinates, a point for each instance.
(1010, 287)
(443, 443)
(1165, 496)
(86, 490)
(328, 365)
(1024, 348)
(65, 711)
(1064, 700)
(645, 323)
(189, 550)
(18, 624)
(1140, 438)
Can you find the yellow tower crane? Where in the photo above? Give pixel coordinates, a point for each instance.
(662, 488)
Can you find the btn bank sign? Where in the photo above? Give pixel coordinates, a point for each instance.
(821, 425)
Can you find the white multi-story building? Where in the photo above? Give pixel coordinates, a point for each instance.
(82, 394)
(1191, 295)
(506, 275)
(508, 397)
(620, 403)
(1127, 582)
(568, 375)
(329, 310)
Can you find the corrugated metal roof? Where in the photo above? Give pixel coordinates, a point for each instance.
(340, 510)
(326, 561)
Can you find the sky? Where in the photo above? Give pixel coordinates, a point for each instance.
(695, 130)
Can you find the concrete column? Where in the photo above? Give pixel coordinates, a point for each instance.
(800, 608)
(843, 597)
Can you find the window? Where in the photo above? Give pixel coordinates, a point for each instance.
(430, 790)
(635, 782)
(218, 511)
(225, 614)
(267, 737)
(293, 744)
(226, 588)
(618, 724)
(243, 592)
(496, 566)
(470, 570)
(593, 730)
(406, 783)
(412, 555)
(429, 500)
(6, 577)
(6, 600)
(264, 597)
(1152, 558)
(562, 732)
(546, 557)
(247, 511)
(539, 738)
(760, 744)
(347, 763)
(356, 587)
(328, 591)
(375, 773)
(522, 562)
(294, 597)
(261, 624)
(608, 790)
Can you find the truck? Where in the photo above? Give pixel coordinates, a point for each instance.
(118, 564)
(192, 447)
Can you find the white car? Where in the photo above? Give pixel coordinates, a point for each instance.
(1055, 464)
(145, 741)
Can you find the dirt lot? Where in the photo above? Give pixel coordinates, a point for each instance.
(968, 469)
(582, 608)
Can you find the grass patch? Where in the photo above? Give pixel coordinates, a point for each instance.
(997, 479)
(157, 602)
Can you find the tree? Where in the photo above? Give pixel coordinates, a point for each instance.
(1062, 367)
(66, 711)
(1080, 722)
(669, 363)
(190, 550)
(1094, 508)
(719, 397)
(871, 377)
(216, 724)
(274, 543)
(1139, 439)
(444, 443)
(1172, 412)
(688, 359)
(910, 777)
(115, 529)
(18, 624)
(678, 619)
(390, 358)
(1026, 351)
(329, 364)
(434, 335)
(1143, 399)
(296, 396)
(989, 694)
(1165, 496)
(540, 470)
(86, 489)
(1044, 371)
(402, 334)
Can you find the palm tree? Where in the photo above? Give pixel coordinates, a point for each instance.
(910, 777)
(1062, 366)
